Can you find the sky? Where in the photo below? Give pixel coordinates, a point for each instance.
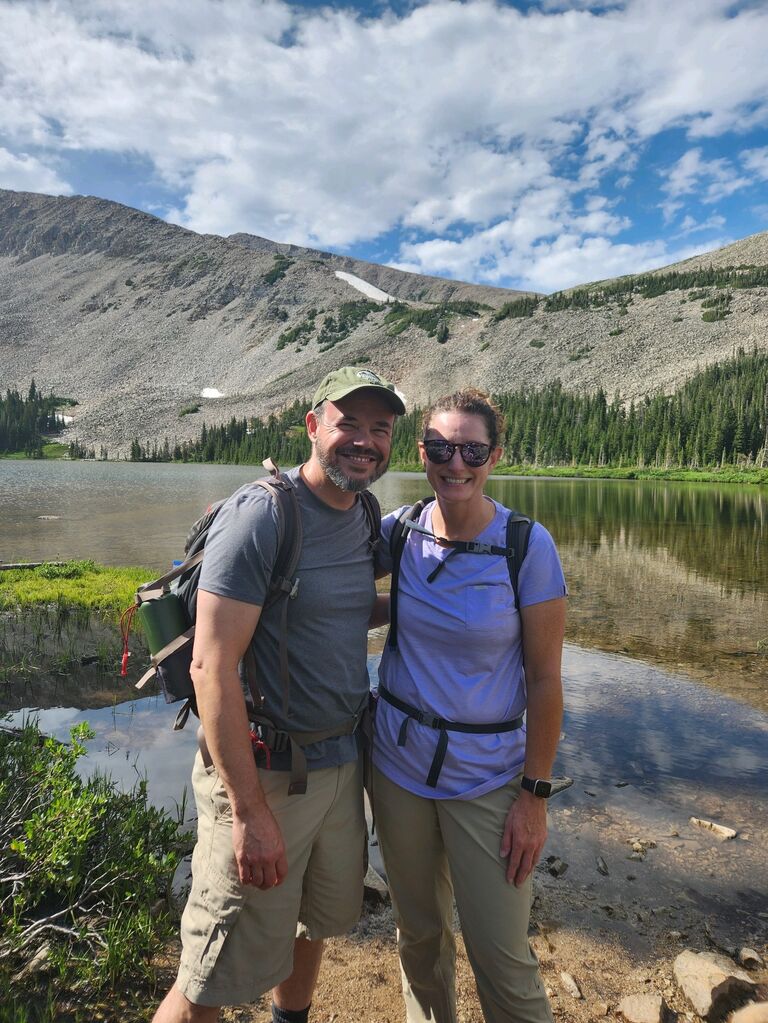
(531, 145)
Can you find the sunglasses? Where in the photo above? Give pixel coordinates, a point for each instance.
(473, 453)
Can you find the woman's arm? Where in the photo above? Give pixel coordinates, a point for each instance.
(525, 830)
(380, 613)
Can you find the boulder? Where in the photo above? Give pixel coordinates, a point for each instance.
(375, 891)
(646, 1008)
(751, 959)
(757, 1012)
(712, 983)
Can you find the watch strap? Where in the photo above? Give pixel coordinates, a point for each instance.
(538, 786)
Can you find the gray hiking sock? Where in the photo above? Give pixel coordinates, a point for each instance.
(289, 1015)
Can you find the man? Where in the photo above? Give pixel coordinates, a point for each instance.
(266, 860)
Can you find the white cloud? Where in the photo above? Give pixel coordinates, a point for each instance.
(24, 173)
(550, 265)
(711, 180)
(756, 161)
(455, 119)
(689, 225)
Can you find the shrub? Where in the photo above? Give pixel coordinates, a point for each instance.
(278, 270)
(517, 308)
(67, 570)
(580, 353)
(83, 870)
(536, 343)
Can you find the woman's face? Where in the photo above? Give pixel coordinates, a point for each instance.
(455, 481)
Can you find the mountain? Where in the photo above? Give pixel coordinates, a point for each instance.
(135, 318)
(406, 287)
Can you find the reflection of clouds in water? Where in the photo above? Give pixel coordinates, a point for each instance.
(625, 720)
(133, 740)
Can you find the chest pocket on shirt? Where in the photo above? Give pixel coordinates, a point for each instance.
(488, 607)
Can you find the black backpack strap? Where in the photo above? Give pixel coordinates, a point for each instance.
(397, 540)
(518, 535)
(372, 511)
(283, 585)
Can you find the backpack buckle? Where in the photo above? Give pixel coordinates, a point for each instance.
(473, 547)
(294, 590)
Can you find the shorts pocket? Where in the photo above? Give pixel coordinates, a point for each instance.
(210, 916)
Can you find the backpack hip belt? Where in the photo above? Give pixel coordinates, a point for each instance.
(443, 726)
(280, 741)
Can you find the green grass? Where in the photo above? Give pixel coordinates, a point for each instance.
(55, 450)
(81, 585)
(51, 449)
(726, 475)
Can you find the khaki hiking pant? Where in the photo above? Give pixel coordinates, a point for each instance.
(438, 849)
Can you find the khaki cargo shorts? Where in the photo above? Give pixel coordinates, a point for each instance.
(237, 941)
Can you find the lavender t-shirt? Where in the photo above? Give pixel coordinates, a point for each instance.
(459, 657)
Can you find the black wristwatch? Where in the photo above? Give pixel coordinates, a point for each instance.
(539, 787)
(543, 788)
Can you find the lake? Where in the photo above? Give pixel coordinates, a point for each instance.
(666, 668)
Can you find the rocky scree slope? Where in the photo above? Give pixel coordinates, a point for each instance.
(135, 318)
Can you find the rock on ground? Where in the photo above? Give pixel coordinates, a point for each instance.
(712, 983)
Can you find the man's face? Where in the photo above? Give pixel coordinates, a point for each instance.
(352, 439)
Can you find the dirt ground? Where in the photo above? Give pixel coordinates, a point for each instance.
(641, 885)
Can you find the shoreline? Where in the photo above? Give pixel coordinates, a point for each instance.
(729, 474)
(612, 917)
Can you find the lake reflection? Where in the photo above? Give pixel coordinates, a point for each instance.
(668, 572)
(624, 722)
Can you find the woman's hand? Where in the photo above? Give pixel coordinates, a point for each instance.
(525, 832)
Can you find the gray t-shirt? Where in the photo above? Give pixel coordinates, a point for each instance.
(327, 620)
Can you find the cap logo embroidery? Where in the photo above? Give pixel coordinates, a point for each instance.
(366, 374)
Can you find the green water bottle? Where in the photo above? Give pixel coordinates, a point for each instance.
(162, 619)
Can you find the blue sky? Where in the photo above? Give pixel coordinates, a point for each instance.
(534, 145)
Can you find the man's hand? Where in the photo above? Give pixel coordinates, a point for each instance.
(259, 849)
(525, 831)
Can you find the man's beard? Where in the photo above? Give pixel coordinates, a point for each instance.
(340, 478)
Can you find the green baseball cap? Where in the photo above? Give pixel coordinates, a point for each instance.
(349, 379)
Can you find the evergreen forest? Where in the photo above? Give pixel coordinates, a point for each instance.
(718, 418)
(26, 423)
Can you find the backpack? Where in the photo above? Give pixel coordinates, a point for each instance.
(516, 547)
(168, 616)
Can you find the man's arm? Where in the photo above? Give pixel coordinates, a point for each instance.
(525, 830)
(223, 630)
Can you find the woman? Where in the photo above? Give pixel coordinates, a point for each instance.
(452, 817)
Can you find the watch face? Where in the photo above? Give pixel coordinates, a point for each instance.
(538, 787)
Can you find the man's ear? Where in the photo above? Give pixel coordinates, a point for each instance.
(312, 424)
